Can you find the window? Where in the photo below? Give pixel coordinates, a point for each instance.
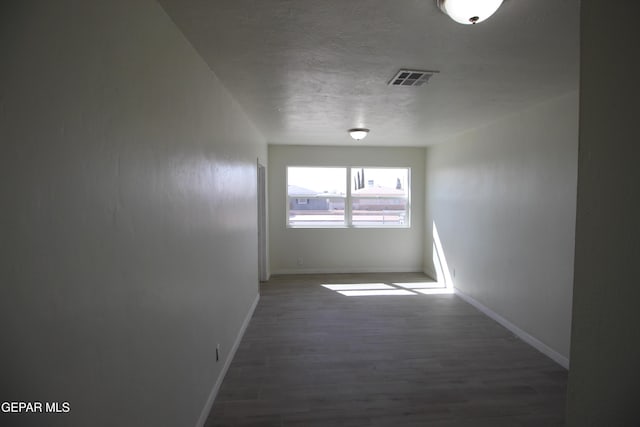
(379, 197)
(319, 197)
(316, 196)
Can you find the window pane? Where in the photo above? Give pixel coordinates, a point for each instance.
(383, 211)
(316, 196)
(380, 182)
(380, 196)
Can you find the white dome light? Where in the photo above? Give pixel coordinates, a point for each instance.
(469, 11)
(358, 133)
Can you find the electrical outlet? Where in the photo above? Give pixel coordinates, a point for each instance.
(217, 352)
(300, 260)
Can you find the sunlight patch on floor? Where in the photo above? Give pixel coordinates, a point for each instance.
(420, 285)
(440, 291)
(377, 293)
(357, 286)
(382, 289)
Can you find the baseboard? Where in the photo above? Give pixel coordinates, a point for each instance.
(345, 270)
(524, 336)
(216, 387)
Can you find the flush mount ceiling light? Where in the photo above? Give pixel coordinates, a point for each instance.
(469, 11)
(358, 133)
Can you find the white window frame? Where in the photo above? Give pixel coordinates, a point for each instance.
(348, 200)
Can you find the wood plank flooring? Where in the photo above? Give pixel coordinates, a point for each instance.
(314, 357)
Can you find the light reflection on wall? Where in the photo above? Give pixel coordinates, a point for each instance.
(440, 262)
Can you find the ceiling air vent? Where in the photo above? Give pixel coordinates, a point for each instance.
(411, 78)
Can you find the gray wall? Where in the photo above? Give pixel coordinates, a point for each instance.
(128, 215)
(502, 198)
(344, 249)
(605, 357)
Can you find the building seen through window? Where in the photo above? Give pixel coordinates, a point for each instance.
(321, 197)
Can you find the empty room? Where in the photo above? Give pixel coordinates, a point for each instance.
(319, 213)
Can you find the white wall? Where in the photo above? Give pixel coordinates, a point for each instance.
(605, 342)
(344, 249)
(128, 215)
(503, 200)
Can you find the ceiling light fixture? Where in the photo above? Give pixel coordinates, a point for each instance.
(358, 133)
(469, 11)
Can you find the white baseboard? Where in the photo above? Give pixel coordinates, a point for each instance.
(347, 270)
(216, 387)
(524, 336)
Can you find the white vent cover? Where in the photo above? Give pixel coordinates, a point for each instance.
(410, 78)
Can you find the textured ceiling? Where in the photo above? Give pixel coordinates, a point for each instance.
(305, 71)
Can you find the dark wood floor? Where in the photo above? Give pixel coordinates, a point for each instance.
(314, 357)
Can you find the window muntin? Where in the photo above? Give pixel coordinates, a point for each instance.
(319, 197)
